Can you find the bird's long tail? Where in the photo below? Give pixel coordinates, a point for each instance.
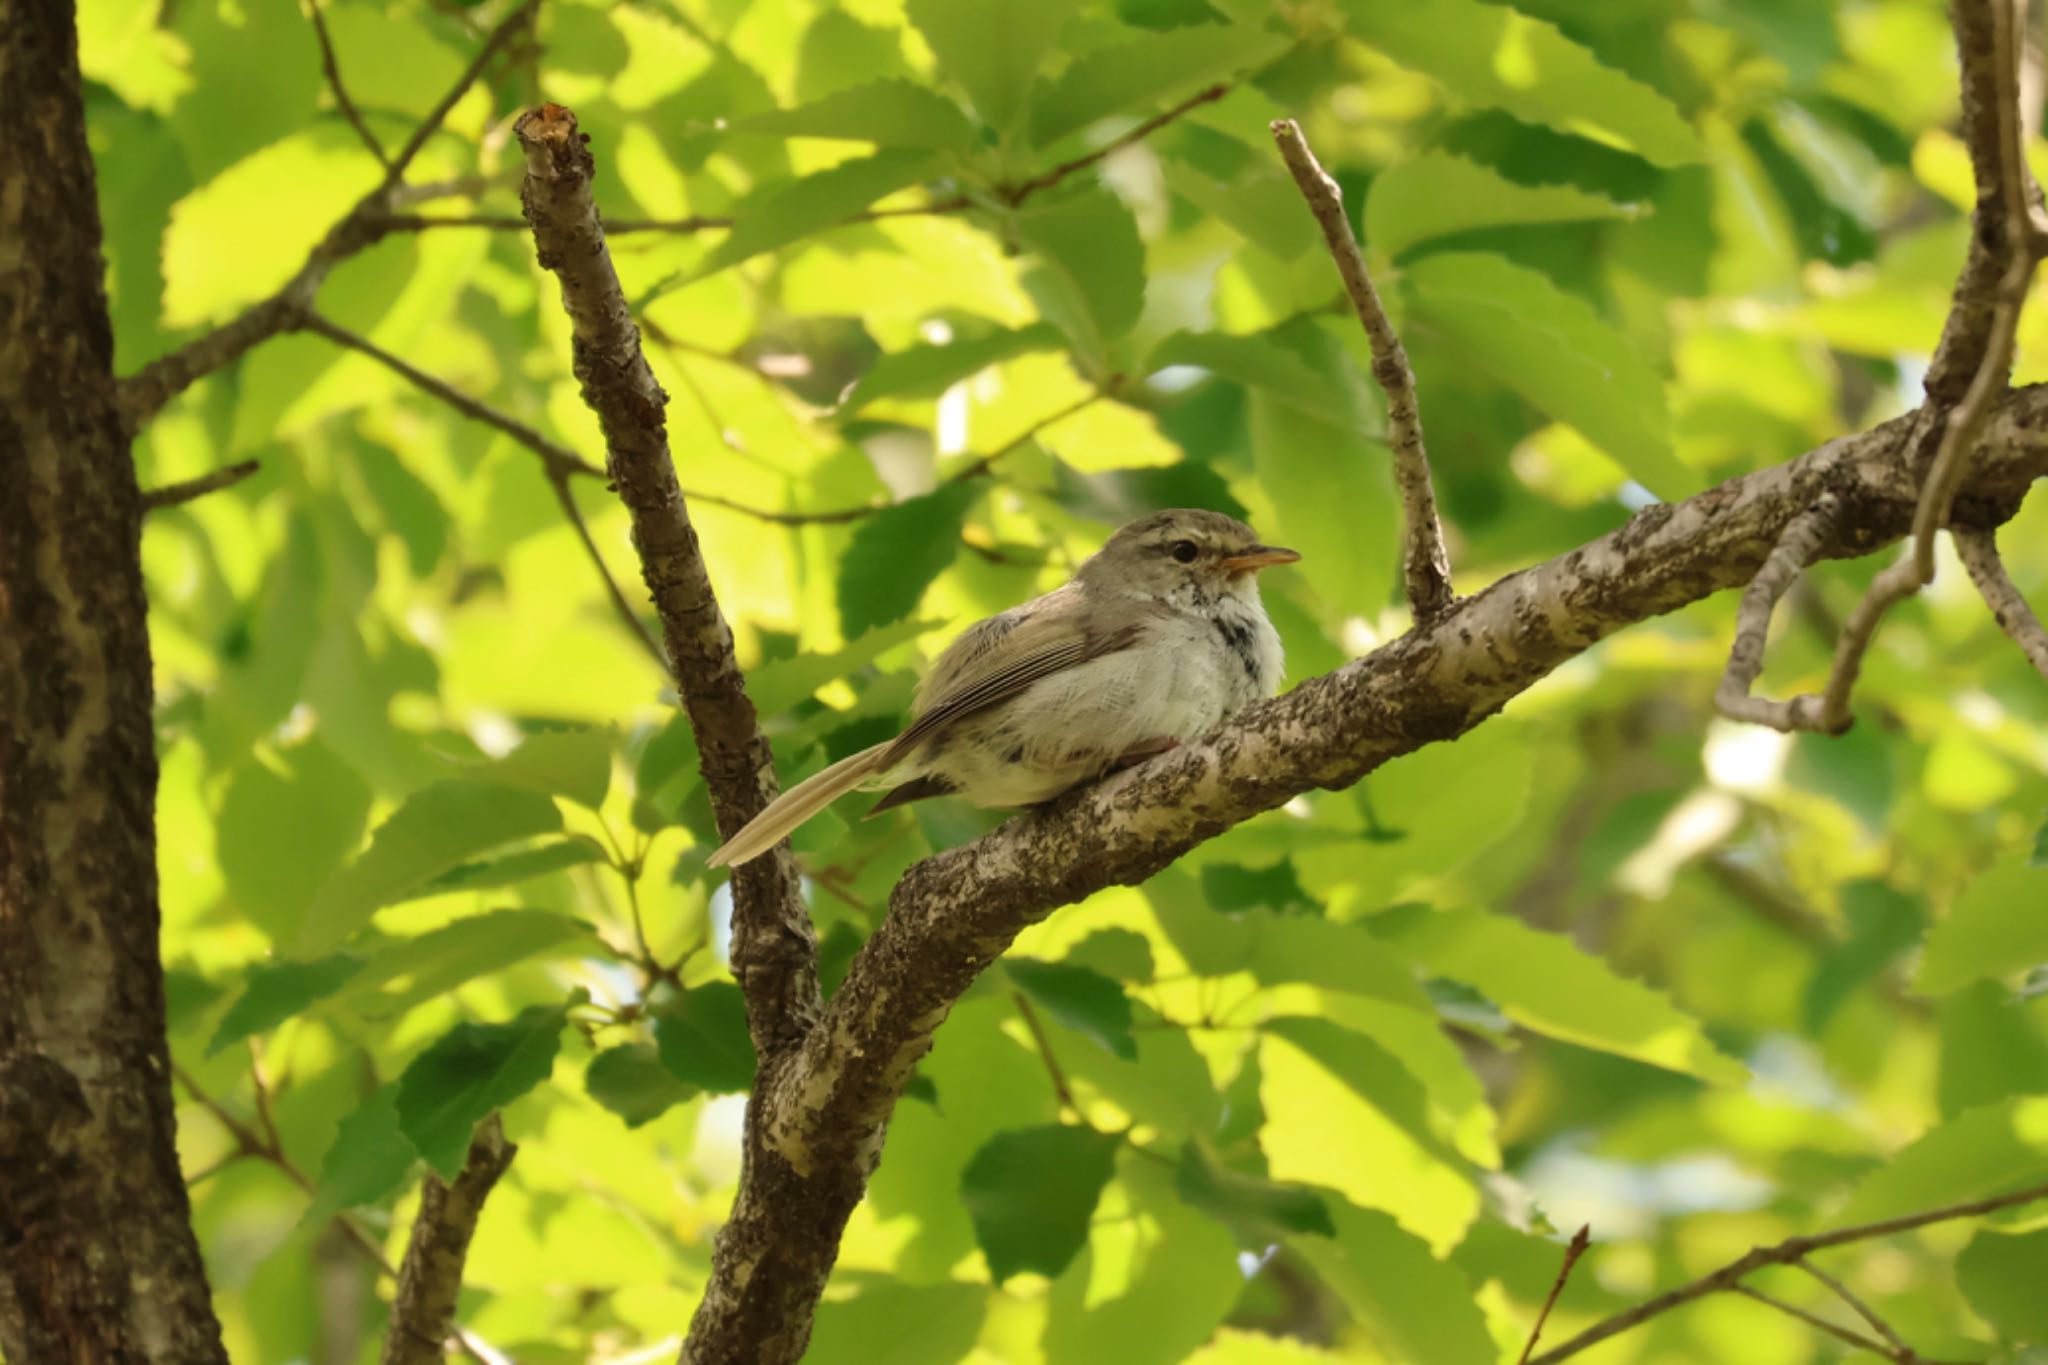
(799, 804)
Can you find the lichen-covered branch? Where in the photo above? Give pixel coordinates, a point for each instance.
(1426, 566)
(774, 947)
(1791, 1251)
(1979, 553)
(430, 1276)
(1788, 559)
(953, 914)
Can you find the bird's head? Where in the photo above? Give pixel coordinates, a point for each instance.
(1184, 555)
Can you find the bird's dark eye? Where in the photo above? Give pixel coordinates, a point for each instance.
(1184, 550)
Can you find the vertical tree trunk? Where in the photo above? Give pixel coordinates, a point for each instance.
(97, 1258)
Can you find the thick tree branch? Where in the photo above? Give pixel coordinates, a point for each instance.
(1791, 1251)
(144, 393)
(774, 947)
(171, 494)
(423, 1314)
(1979, 553)
(953, 914)
(1426, 566)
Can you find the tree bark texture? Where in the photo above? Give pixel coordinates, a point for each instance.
(98, 1262)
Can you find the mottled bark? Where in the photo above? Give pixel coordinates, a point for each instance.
(430, 1278)
(97, 1255)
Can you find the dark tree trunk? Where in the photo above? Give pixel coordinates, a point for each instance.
(97, 1258)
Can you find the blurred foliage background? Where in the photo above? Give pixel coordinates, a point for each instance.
(1330, 1088)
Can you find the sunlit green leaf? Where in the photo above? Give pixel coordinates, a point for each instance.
(1438, 194)
(781, 213)
(1415, 1306)
(286, 822)
(777, 686)
(469, 1071)
(577, 850)
(1089, 277)
(573, 763)
(369, 1158)
(927, 371)
(1128, 77)
(894, 1324)
(892, 113)
(631, 1081)
(1259, 1210)
(991, 47)
(1996, 926)
(2001, 1274)
(895, 555)
(1031, 1193)
(278, 990)
(1981, 1152)
(1082, 999)
(425, 966)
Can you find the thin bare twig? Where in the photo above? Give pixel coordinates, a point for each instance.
(1014, 195)
(347, 106)
(558, 462)
(1861, 1309)
(2011, 190)
(1787, 1252)
(1815, 1321)
(171, 494)
(1574, 1249)
(144, 393)
(1426, 565)
(1060, 1089)
(1796, 548)
(1979, 552)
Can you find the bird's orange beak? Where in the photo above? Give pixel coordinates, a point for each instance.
(1259, 557)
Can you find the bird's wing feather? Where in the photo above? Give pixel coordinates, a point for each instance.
(1002, 656)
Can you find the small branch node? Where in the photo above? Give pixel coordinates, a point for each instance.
(1797, 547)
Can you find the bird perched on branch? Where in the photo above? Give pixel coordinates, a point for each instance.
(1159, 637)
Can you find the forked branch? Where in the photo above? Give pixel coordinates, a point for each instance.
(1979, 552)
(1426, 566)
(423, 1314)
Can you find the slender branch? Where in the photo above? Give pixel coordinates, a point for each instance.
(1979, 553)
(1788, 1252)
(347, 106)
(2005, 197)
(774, 946)
(172, 494)
(1795, 549)
(1060, 1089)
(423, 1313)
(1574, 1249)
(1426, 565)
(1861, 1309)
(144, 393)
(1814, 1320)
(558, 462)
(1015, 195)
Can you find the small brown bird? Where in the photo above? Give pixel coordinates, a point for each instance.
(1159, 637)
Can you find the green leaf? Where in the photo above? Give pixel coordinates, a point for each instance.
(1257, 1209)
(1882, 924)
(368, 1159)
(1979, 1153)
(469, 1071)
(1308, 467)
(1230, 886)
(575, 850)
(896, 553)
(1545, 982)
(1089, 275)
(1120, 495)
(782, 683)
(1415, 1307)
(1490, 54)
(890, 113)
(1258, 362)
(1557, 353)
(1997, 926)
(1121, 954)
(438, 961)
(1032, 1193)
(1083, 999)
(434, 830)
(991, 47)
(630, 1081)
(785, 211)
(703, 1039)
(1334, 956)
(1437, 194)
(928, 371)
(1129, 77)
(576, 763)
(1990, 1049)
(898, 1324)
(278, 990)
(2002, 1275)
(286, 822)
